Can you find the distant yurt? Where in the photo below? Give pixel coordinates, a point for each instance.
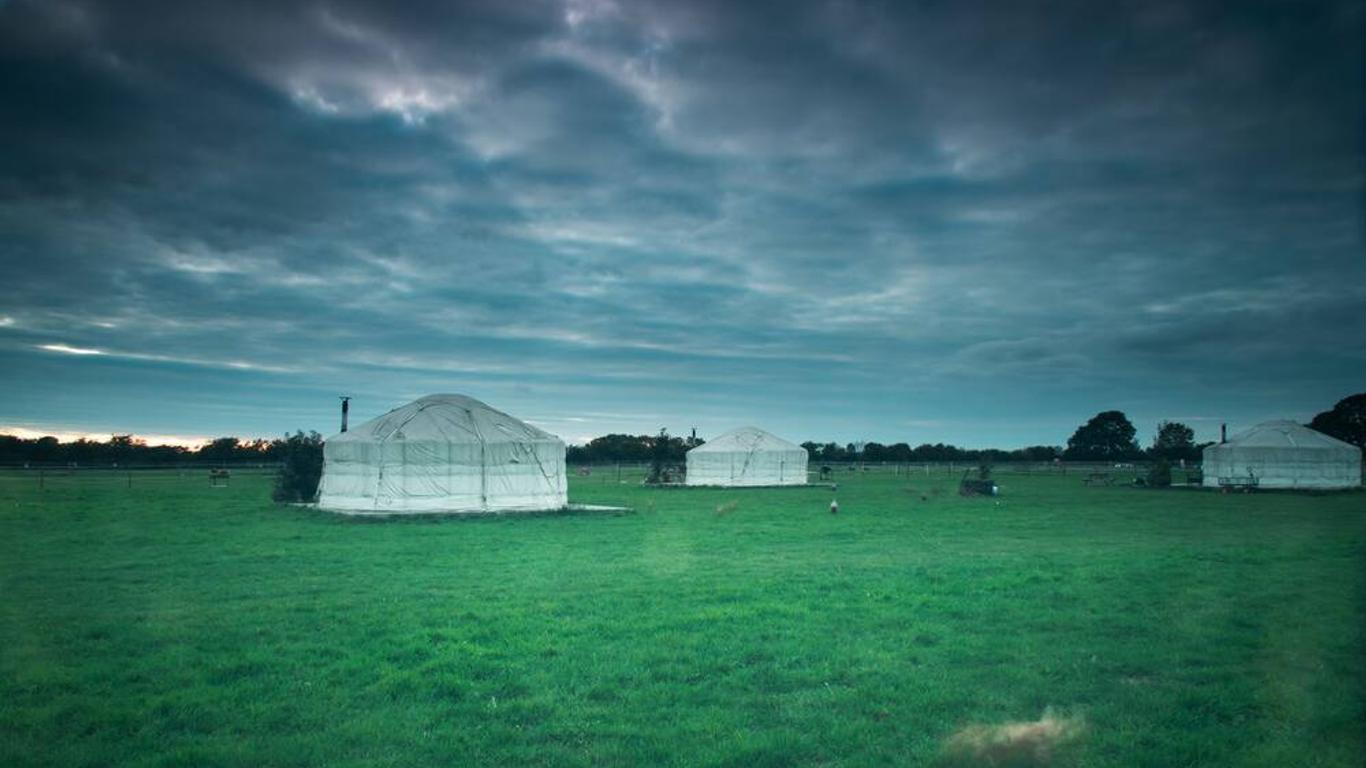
(1283, 454)
(443, 454)
(747, 457)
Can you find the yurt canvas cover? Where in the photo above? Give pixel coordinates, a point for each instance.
(747, 456)
(443, 453)
(1284, 454)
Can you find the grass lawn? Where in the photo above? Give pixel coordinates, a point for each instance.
(170, 623)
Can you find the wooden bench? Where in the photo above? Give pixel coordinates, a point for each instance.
(1104, 478)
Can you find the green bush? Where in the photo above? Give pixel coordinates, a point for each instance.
(301, 468)
(1160, 474)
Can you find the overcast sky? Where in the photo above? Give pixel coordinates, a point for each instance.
(944, 221)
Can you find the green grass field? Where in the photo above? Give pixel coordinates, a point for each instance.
(170, 623)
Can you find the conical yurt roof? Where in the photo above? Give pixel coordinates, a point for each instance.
(1284, 434)
(746, 439)
(445, 418)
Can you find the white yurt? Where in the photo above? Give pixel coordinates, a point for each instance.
(443, 453)
(1283, 454)
(747, 456)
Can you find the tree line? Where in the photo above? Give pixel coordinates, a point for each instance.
(127, 450)
(1107, 436)
(662, 447)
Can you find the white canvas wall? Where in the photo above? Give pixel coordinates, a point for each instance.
(1284, 454)
(747, 457)
(443, 453)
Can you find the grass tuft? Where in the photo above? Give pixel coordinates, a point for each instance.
(1027, 744)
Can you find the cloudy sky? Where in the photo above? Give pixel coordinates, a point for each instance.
(975, 223)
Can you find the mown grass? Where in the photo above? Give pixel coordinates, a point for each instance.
(170, 623)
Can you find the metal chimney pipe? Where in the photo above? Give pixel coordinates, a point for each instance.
(346, 407)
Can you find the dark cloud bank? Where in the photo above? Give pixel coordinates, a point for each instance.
(943, 221)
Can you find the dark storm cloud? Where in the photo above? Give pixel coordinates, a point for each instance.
(987, 218)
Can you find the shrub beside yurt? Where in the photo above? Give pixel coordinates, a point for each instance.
(443, 454)
(747, 457)
(1282, 454)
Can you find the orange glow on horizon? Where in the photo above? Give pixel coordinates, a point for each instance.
(71, 436)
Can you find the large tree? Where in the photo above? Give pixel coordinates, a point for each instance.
(1108, 436)
(1346, 421)
(1174, 441)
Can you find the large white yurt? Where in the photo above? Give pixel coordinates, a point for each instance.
(1283, 454)
(747, 456)
(443, 453)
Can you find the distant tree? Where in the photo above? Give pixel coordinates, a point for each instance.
(301, 467)
(85, 452)
(617, 447)
(1346, 421)
(631, 448)
(257, 450)
(122, 448)
(1037, 453)
(46, 449)
(659, 457)
(991, 456)
(13, 450)
(222, 449)
(1174, 441)
(166, 454)
(1108, 436)
(941, 452)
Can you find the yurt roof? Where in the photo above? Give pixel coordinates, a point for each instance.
(1284, 434)
(446, 418)
(747, 439)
